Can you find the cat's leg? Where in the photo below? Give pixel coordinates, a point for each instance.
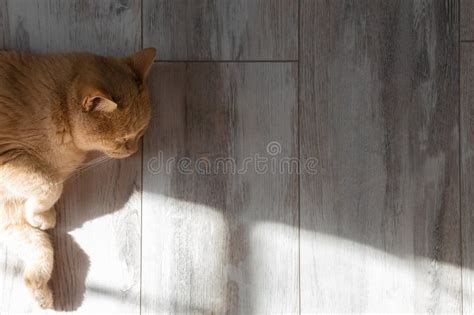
(39, 206)
(35, 249)
(29, 178)
(43, 220)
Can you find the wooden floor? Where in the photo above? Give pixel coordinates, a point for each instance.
(304, 156)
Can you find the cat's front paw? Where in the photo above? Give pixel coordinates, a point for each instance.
(44, 220)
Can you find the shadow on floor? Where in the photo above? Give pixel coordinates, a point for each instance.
(84, 200)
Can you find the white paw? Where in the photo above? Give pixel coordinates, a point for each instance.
(41, 203)
(44, 220)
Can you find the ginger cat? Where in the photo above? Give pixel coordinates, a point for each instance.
(54, 109)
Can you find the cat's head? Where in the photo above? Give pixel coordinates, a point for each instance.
(112, 104)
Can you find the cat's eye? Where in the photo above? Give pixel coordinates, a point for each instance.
(138, 82)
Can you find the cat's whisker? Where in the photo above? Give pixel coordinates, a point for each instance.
(98, 159)
(94, 163)
(84, 165)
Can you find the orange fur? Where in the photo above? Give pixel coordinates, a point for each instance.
(54, 109)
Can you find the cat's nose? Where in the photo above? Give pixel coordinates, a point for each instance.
(131, 147)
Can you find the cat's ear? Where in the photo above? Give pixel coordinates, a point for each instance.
(98, 101)
(141, 62)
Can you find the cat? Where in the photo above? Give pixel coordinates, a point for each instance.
(54, 109)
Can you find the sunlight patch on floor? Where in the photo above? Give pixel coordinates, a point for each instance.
(183, 250)
(371, 279)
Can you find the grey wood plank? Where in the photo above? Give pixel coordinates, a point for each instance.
(3, 23)
(467, 169)
(380, 222)
(216, 240)
(222, 29)
(467, 20)
(106, 27)
(97, 240)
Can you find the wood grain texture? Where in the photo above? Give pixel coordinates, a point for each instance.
(467, 20)
(216, 240)
(467, 169)
(97, 239)
(222, 29)
(380, 220)
(106, 26)
(380, 223)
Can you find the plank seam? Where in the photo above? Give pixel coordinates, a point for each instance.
(460, 188)
(141, 180)
(299, 156)
(228, 61)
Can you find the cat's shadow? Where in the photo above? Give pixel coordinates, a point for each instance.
(84, 201)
